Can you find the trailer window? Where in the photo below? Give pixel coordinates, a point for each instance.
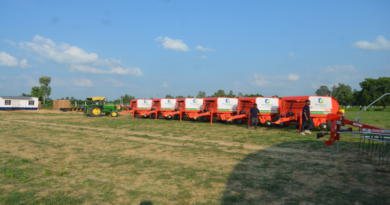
(7, 102)
(31, 102)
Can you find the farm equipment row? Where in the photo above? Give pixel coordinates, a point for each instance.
(273, 111)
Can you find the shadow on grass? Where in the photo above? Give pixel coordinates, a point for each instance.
(293, 178)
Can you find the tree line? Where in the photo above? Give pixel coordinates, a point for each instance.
(371, 89)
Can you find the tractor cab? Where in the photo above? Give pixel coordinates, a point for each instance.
(97, 107)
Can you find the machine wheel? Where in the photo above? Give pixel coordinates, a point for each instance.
(268, 123)
(176, 117)
(323, 126)
(85, 110)
(169, 117)
(95, 111)
(152, 116)
(114, 114)
(283, 124)
(276, 118)
(329, 125)
(204, 119)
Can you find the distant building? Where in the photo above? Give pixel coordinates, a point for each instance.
(18, 103)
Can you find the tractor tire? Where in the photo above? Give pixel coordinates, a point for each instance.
(95, 111)
(85, 110)
(152, 116)
(329, 125)
(114, 114)
(323, 126)
(169, 118)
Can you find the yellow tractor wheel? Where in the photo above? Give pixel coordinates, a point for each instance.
(114, 114)
(95, 111)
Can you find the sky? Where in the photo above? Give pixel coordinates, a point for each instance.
(153, 48)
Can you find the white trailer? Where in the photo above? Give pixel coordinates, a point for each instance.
(18, 103)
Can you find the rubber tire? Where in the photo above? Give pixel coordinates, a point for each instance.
(169, 118)
(85, 110)
(176, 117)
(152, 116)
(204, 119)
(324, 126)
(112, 114)
(90, 111)
(329, 123)
(268, 123)
(276, 118)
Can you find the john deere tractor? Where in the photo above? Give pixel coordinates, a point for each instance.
(97, 108)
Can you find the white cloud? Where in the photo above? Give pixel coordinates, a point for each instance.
(259, 80)
(176, 44)
(165, 84)
(76, 58)
(83, 82)
(339, 68)
(292, 54)
(113, 70)
(293, 77)
(380, 43)
(202, 57)
(10, 61)
(117, 83)
(10, 42)
(199, 47)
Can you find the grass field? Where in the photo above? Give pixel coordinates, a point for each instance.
(67, 158)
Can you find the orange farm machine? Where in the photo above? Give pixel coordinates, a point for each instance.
(374, 141)
(290, 111)
(141, 107)
(185, 107)
(218, 108)
(164, 107)
(268, 108)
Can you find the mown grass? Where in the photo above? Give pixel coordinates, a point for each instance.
(73, 159)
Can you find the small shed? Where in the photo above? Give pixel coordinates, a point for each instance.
(18, 103)
(58, 104)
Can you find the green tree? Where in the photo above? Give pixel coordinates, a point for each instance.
(35, 92)
(253, 95)
(240, 94)
(201, 94)
(180, 96)
(168, 96)
(323, 90)
(372, 89)
(343, 94)
(67, 98)
(125, 99)
(45, 88)
(231, 94)
(219, 93)
(190, 96)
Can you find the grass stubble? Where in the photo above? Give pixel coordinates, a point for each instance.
(68, 158)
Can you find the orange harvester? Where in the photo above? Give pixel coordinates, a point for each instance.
(268, 107)
(140, 107)
(219, 108)
(290, 112)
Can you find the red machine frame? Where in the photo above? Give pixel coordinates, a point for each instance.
(210, 110)
(245, 104)
(291, 111)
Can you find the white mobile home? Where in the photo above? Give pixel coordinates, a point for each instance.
(18, 103)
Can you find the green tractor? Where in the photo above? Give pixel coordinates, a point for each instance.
(97, 108)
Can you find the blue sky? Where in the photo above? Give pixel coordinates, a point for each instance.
(145, 48)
